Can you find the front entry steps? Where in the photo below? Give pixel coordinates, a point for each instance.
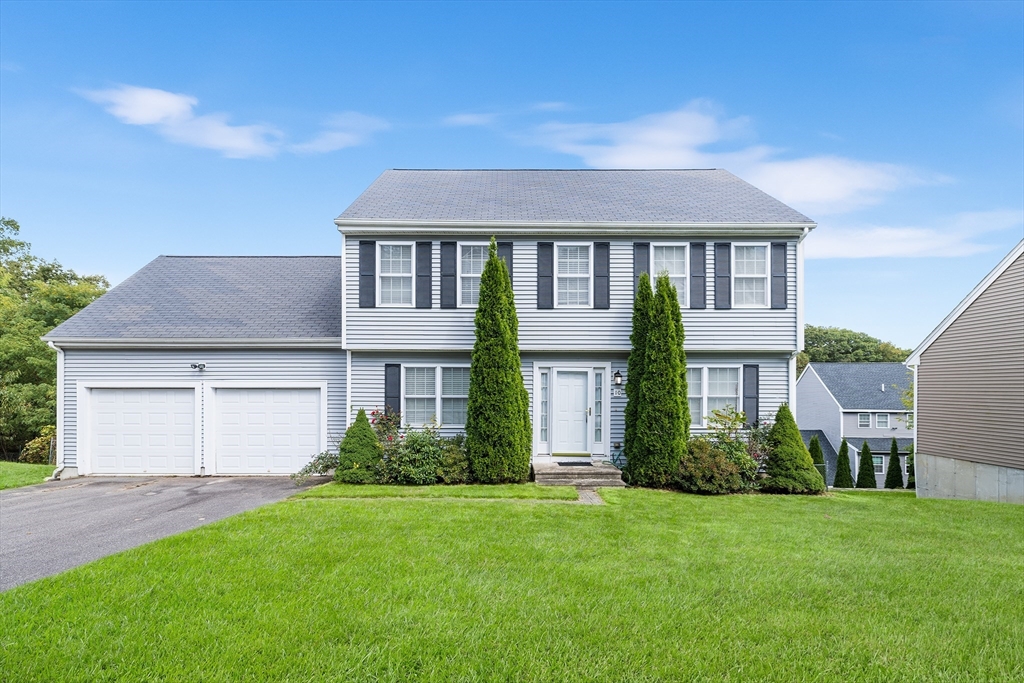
(585, 474)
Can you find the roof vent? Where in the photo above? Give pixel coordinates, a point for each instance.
(883, 387)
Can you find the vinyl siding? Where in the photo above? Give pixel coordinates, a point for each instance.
(816, 409)
(852, 431)
(135, 366)
(562, 329)
(970, 393)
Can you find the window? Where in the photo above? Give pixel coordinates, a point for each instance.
(472, 258)
(395, 275)
(864, 420)
(882, 420)
(878, 462)
(710, 389)
(671, 260)
(695, 394)
(598, 404)
(573, 275)
(544, 406)
(910, 420)
(454, 395)
(420, 396)
(750, 275)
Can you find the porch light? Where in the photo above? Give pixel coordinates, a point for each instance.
(617, 377)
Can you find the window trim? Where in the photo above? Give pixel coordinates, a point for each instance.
(704, 390)
(888, 421)
(860, 422)
(438, 392)
(458, 273)
(686, 267)
(590, 275)
(412, 280)
(766, 277)
(878, 461)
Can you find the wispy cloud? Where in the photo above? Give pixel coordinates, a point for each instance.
(959, 236)
(174, 117)
(550, 106)
(469, 119)
(700, 136)
(12, 67)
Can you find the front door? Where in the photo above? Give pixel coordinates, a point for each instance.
(571, 413)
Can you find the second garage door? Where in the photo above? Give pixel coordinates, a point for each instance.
(266, 431)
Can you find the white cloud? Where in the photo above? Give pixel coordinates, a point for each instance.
(173, 116)
(348, 129)
(683, 138)
(469, 119)
(550, 106)
(958, 236)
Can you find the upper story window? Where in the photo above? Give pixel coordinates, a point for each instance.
(472, 258)
(395, 274)
(750, 275)
(671, 260)
(573, 275)
(882, 420)
(864, 420)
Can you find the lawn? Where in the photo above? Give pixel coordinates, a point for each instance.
(652, 586)
(517, 491)
(14, 474)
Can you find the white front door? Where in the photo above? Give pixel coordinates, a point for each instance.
(266, 431)
(142, 431)
(570, 413)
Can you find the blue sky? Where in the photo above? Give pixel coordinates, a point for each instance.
(137, 129)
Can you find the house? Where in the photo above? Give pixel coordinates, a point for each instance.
(251, 365)
(859, 402)
(969, 372)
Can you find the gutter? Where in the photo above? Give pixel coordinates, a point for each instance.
(406, 227)
(193, 342)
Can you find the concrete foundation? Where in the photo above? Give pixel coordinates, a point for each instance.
(939, 477)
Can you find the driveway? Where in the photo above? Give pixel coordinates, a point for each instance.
(55, 526)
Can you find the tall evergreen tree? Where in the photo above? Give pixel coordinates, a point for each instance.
(789, 466)
(660, 431)
(498, 432)
(866, 469)
(677, 318)
(843, 478)
(894, 473)
(643, 303)
(911, 480)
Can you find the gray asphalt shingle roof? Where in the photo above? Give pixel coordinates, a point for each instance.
(568, 196)
(880, 445)
(218, 297)
(858, 386)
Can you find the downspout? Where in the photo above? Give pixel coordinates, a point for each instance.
(799, 318)
(60, 412)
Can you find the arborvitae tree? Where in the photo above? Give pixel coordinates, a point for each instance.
(677, 318)
(498, 432)
(911, 481)
(789, 466)
(844, 478)
(359, 453)
(817, 457)
(866, 470)
(659, 444)
(894, 475)
(643, 303)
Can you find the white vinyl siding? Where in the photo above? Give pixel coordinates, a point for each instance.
(573, 275)
(750, 275)
(395, 274)
(670, 259)
(472, 258)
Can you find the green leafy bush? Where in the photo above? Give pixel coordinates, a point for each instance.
(37, 451)
(789, 468)
(454, 467)
(728, 435)
(707, 469)
(359, 454)
(894, 474)
(321, 463)
(866, 470)
(843, 478)
(415, 460)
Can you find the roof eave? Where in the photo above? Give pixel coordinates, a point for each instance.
(351, 226)
(193, 342)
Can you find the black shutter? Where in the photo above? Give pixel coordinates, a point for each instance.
(751, 393)
(424, 276)
(545, 275)
(449, 274)
(392, 388)
(641, 261)
(723, 275)
(602, 284)
(505, 254)
(698, 278)
(367, 274)
(778, 274)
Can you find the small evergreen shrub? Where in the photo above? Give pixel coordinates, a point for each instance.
(866, 470)
(789, 468)
(707, 469)
(416, 460)
(37, 451)
(894, 475)
(844, 478)
(911, 481)
(454, 467)
(817, 457)
(359, 454)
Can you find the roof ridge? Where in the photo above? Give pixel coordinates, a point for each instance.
(246, 257)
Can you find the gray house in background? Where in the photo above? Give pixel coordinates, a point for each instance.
(213, 365)
(970, 393)
(858, 402)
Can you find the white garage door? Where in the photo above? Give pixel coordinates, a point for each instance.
(143, 431)
(266, 431)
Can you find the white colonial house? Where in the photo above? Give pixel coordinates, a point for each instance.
(250, 365)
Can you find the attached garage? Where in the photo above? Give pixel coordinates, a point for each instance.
(143, 431)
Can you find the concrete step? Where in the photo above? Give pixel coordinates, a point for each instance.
(601, 474)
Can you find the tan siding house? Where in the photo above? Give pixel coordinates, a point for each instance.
(970, 393)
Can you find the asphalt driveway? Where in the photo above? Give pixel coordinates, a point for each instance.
(55, 526)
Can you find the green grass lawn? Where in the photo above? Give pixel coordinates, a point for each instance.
(518, 491)
(653, 586)
(14, 474)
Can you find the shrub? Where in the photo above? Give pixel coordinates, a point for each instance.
(707, 469)
(815, 450)
(642, 304)
(759, 443)
(843, 478)
(415, 461)
(37, 451)
(894, 474)
(498, 432)
(789, 468)
(911, 481)
(454, 467)
(321, 463)
(866, 469)
(359, 454)
(727, 435)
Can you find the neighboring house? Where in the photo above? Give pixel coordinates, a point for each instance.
(250, 365)
(970, 393)
(858, 402)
